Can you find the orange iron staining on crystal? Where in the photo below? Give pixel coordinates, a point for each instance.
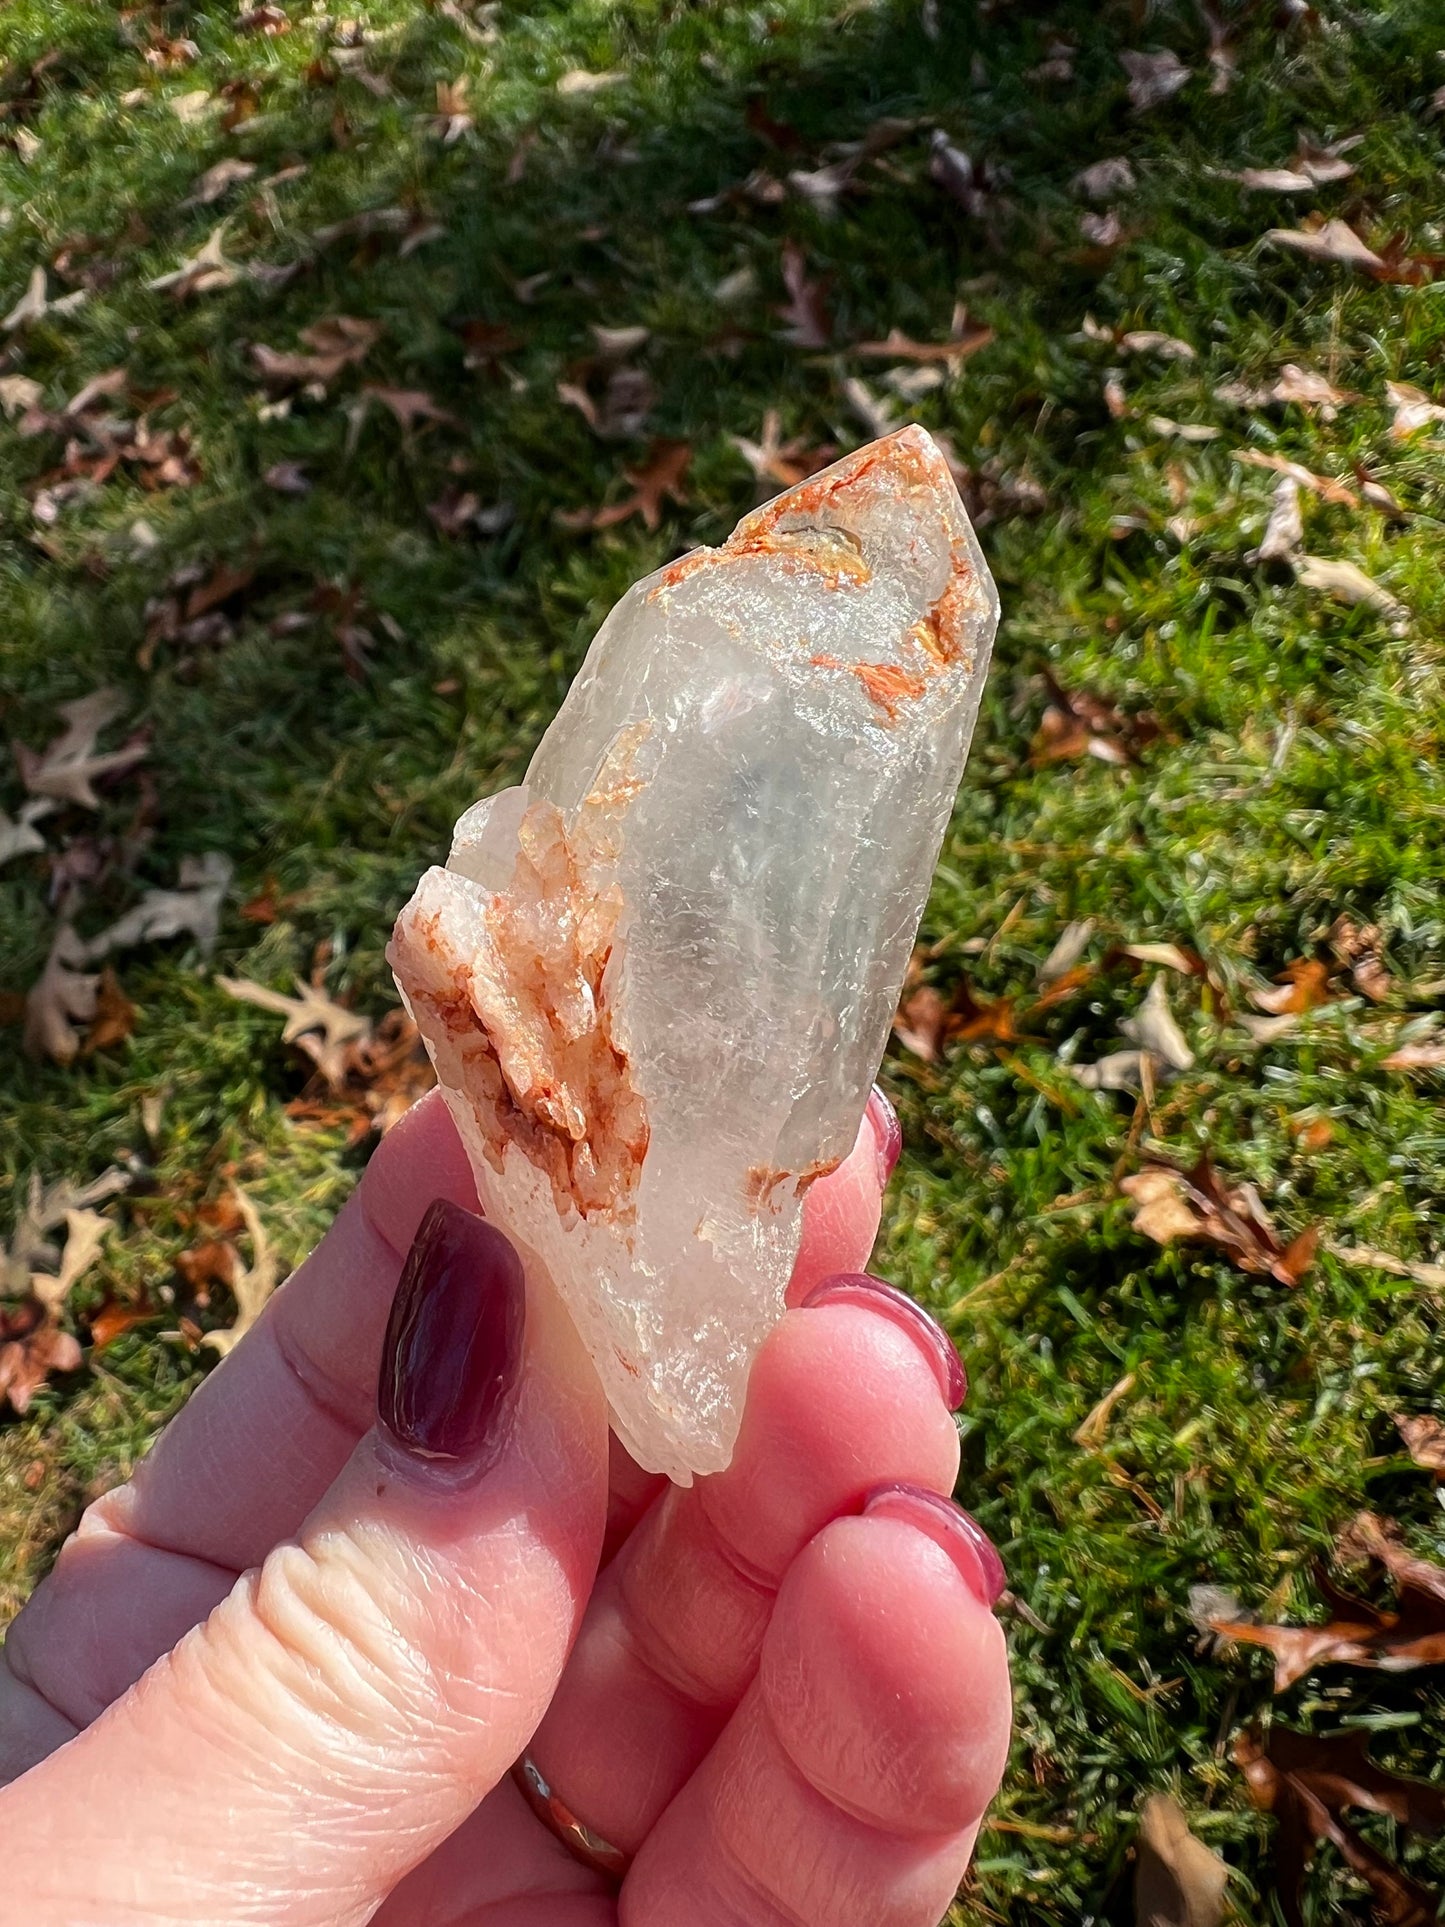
(657, 978)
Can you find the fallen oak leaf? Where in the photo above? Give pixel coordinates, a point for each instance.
(1154, 1030)
(453, 116)
(113, 1317)
(1334, 241)
(1306, 1781)
(251, 1285)
(47, 1207)
(1140, 341)
(1347, 583)
(1414, 409)
(409, 406)
(1284, 532)
(193, 907)
(68, 766)
(1357, 948)
(1102, 179)
(897, 346)
(1153, 78)
(32, 1345)
(1077, 723)
(32, 305)
(219, 180)
(114, 1019)
(774, 460)
(660, 478)
(32, 1349)
(1303, 985)
(85, 1234)
(1361, 1634)
(287, 478)
(1271, 180)
(1069, 947)
(61, 998)
(314, 1021)
(18, 834)
(19, 395)
(806, 310)
(1424, 1438)
(336, 342)
(1304, 386)
(1178, 1881)
(1120, 1070)
(1324, 486)
(1199, 1206)
(1416, 1057)
(205, 272)
(577, 82)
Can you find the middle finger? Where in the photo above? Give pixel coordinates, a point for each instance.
(853, 1390)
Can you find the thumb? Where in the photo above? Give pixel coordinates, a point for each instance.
(356, 1695)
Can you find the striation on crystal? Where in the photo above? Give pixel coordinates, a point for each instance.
(657, 978)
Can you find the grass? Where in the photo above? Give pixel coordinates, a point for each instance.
(1297, 778)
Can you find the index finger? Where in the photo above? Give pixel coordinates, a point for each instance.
(248, 1457)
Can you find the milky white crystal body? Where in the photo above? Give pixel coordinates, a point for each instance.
(657, 979)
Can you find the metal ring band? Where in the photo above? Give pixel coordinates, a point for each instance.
(576, 1836)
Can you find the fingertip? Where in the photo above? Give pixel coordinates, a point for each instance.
(420, 1159)
(841, 1214)
(877, 1632)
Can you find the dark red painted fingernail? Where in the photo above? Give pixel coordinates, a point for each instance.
(887, 1132)
(857, 1288)
(949, 1526)
(453, 1350)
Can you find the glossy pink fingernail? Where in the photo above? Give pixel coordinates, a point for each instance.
(887, 1132)
(957, 1532)
(858, 1288)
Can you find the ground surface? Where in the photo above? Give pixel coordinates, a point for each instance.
(324, 740)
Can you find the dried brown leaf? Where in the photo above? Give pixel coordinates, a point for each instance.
(1178, 1881)
(1349, 584)
(322, 1028)
(69, 765)
(1200, 1206)
(897, 346)
(1153, 78)
(115, 1016)
(810, 325)
(62, 998)
(1424, 1438)
(1414, 409)
(1324, 486)
(1303, 985)
(1427, 1056)
(1284, 532)
(660, 478)
(1335, 241)
(251, 1285)
(193, 907)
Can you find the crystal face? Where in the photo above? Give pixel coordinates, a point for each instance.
(657, 979)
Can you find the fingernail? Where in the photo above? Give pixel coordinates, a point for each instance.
(857, 1288)
(453, 1348)
(949, 1526)
(887, 1132)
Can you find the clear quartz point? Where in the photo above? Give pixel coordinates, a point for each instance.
(656, 980)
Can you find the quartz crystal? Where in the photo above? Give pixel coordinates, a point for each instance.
(656, 979)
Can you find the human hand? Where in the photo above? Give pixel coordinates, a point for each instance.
(788, 1701)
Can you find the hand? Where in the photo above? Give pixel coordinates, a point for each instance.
(789, 1705)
